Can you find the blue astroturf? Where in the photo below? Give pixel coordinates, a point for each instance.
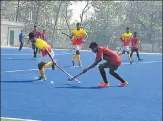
(24, 97)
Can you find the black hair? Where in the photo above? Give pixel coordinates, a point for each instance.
(78, 23)
(31, 35)
(93, 45)
(127, 28)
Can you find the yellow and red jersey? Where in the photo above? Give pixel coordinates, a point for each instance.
(126, 38)
(78, 36)
(42, 46)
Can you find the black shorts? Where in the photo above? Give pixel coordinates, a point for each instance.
(109, 65)
(134, 49)
(123, 52)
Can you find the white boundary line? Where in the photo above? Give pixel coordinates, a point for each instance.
(18, 119)
(12, 71)
(69, 49)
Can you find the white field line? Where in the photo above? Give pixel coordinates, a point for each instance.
(12, 71)
(27, 48)
(18, 119)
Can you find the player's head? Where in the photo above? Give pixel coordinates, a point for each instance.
(94, 47)
(135, 33)
(78, 25)
(44, 31)
(21, 31)
(32, 37)
(127, 29)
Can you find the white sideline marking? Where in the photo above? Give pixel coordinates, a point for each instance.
(12, 71)
(143, 62)
(18, 119)
(34, 69)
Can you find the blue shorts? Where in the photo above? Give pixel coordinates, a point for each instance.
(33, 46)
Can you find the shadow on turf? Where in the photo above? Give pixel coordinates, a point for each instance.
(78, 87)
(25, 81)
(20, 59)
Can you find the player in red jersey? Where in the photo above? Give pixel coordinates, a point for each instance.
(43, 35)
(135, 45)
(113, 61)
(38, 35)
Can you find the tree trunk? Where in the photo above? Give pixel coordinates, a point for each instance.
(17, 12)
(37, 12)
(55, 24)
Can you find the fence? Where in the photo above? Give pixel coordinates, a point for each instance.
(61, 41)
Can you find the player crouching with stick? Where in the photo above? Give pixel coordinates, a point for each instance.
(46, 54)
(113, 62)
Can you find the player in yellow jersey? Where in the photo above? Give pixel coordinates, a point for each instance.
(79, 36)
(126, 39)
(46, 54)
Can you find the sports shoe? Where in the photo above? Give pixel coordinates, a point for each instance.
(123, 84)
(140, 59)
(103, 84)
(41, 78)
(73, 62)
(131, 62)
(80, 65)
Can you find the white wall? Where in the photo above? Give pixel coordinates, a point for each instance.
(6, 26)
(4, 35)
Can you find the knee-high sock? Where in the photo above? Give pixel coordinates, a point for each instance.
(131, 54)
(75, 57)
(48, 64)
(114, 74)
(78, 58)
(138, 55)
(42, 72)
(129, 58)
(103, 74)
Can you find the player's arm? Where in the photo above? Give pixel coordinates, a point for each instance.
(50, 56)
(99, 58)
(93, 65)
(121, 38)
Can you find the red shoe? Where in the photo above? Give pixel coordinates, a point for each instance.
(123, 84)
(103, 84)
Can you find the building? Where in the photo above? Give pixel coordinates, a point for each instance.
(10, 33)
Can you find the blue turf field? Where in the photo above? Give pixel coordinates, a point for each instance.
(23, 97)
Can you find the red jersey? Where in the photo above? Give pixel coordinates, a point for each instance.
(38, 34)
(135, 41)
(43, 36)
(108, 55)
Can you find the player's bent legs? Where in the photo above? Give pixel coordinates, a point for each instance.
(45, 61)
(137, 52)
(77, 54)
(102, 72)
(113, 73)
(132, 51)
(41, 69)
